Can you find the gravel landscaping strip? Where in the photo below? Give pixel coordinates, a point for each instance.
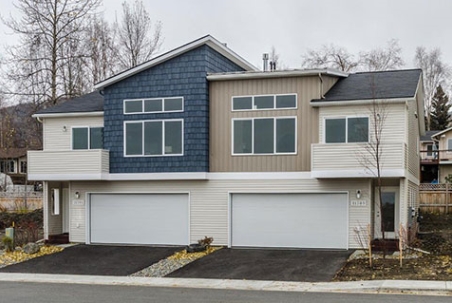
(172, 263)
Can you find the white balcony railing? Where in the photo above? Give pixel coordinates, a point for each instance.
(69, 165)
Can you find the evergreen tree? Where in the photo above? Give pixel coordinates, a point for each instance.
(440, 116)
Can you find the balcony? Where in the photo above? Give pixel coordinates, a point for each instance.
(430, 157)
(68, 165)
(347, 160)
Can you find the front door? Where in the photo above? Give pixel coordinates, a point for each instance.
(388, 214)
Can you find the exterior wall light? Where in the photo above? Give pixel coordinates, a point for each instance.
(77, 195)
(64, 128)
(358, 193)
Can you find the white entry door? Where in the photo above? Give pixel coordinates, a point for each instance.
(308, 220)
(139, 219)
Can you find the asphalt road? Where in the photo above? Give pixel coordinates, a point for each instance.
(73, 293)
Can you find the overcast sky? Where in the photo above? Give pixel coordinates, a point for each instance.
(252, 27)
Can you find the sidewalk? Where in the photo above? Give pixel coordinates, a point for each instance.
(382, 286)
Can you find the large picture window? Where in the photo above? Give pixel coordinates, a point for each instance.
(87, 137)
(153, 105)
(153, 138)
(263, 102)
(347, 130)
(264, 136)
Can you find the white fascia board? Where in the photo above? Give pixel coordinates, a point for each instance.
(274, 74)
(357, 173)
(208, 40)
(441, 132)
(62, 115)
(65, 177)
(259, 176)
(360, 102)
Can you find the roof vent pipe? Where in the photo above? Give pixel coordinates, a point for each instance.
(265, 59)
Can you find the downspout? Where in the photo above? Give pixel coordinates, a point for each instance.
(321, 87)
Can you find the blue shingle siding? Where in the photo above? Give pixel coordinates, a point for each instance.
(183, 76)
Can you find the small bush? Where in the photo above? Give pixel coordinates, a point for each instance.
(8, 243)
(206, 241)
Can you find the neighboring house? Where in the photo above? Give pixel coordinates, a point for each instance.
(13, 162)
(197, 142)
(443, 141)
(429, 158)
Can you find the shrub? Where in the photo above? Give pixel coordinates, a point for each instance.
(8, 243)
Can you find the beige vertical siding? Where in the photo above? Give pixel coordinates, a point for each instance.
(221, 115)
(209, 201)
(57, 139)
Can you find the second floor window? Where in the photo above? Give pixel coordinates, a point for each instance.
(8, 166)
(264, 136)
(154, 105)
(23, 167)
(153, 138)
(347, 130)
(87, 137)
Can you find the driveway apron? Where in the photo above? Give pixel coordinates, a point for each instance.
(95, 260)
(266, 264)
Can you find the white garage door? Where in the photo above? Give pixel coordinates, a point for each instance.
(139, 219)
(290, 220)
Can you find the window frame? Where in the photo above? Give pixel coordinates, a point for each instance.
(151, 99)
(264, 109)
(88, 138)
(22, 164)
(163, 138)
(275, 153)
(346, 128)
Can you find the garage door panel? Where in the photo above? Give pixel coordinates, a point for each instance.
(290, 220)
(139, 219)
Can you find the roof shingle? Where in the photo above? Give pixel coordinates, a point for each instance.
(92, 102)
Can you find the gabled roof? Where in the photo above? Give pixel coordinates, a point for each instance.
(206, 40)
(428, 136)
(395, 84)
(92, 102)
(438, 133)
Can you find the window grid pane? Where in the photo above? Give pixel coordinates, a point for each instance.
(153, 105)
(285, 135)
(173, 104)
(153, 140)
(135, 106)
(173, 137)
(243, 137)
(264, 136)
(80, 138)
(96, 137)
(286, 101)
(134, 139)
(239, 103)
(335, 130)
(358, 130)
(264, 102)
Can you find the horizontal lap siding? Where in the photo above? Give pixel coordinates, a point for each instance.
(55, 138)
(209, 201)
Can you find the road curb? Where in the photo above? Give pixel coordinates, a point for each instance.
(379, 286)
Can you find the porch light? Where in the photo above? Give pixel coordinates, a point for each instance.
(64, 128)
(358, 193)
(77, 195)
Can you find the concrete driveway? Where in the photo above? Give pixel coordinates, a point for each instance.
(95, 260)
(266, 264)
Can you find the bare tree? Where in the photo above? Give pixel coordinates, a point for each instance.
(380, 59)
(435, 73)
(38, 62)
(139, 38)
(330, 56)
(100, 44)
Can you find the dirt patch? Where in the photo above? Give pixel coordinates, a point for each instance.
(435, 237)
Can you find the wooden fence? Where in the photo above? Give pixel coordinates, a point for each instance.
(13, 201)
(435, 198)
